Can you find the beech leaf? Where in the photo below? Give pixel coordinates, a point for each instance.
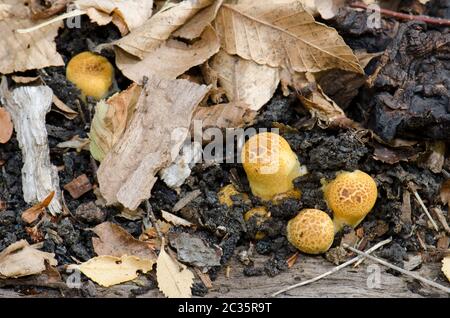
(281, 33)
(174, 279)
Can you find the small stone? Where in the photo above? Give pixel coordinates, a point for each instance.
(90, 213)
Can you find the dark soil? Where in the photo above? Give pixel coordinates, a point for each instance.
(324, 152)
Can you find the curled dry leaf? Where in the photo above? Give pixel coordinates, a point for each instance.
(52, 7)
(113, 240)
(20, 259)
(321, 107)
(76, 142)
(152, 140)
(170, 59)
(281, 33)
(32, 214)
(110, 120)
(231, 115)
(245, 80)
(65, 110)
(131, 13)
(6, 126)
(159, 27)
(22, 52)
(195, 26)
(109, 270)
(174, 279)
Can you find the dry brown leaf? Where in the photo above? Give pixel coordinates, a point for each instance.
(31, 214)
(281, 33)
(115, 241)
(175, 220)
(152, 140)
(245, 80)
(109, 270)
(110, 120)
(231, 115)
(169, 60)
(133, 13)
(26, 79)
(20, 259)
(445, 192)
(321, 107)
(76, 142)
(174, 279)
(446, 267)
(10, 9)
(65, 110)
(48, 10)
(195, 26)
(159, 27)
(6, 126)
(22, 52)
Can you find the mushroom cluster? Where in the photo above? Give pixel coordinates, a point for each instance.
(271, 167)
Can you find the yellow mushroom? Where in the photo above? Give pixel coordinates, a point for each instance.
(261, 214)
(351, 196)
(270, 164)
(91, 73)
(311, 231)
(227, 192)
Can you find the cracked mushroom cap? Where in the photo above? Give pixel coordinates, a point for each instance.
(91, 73)
(351, 196)
(311, 231)
(270, 164)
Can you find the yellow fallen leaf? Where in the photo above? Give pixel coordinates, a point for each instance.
(446, 267)
(174, 279)
(109, 270)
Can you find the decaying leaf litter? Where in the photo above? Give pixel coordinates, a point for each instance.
(231, 64)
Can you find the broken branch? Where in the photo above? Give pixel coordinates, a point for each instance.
(399, 269)
(402, 16)
(334, 270)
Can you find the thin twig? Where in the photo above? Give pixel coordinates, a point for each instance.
(67, 15)
(419, 199)
(152, 218)
(399, 269)
(402, 16)
(334, 270)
